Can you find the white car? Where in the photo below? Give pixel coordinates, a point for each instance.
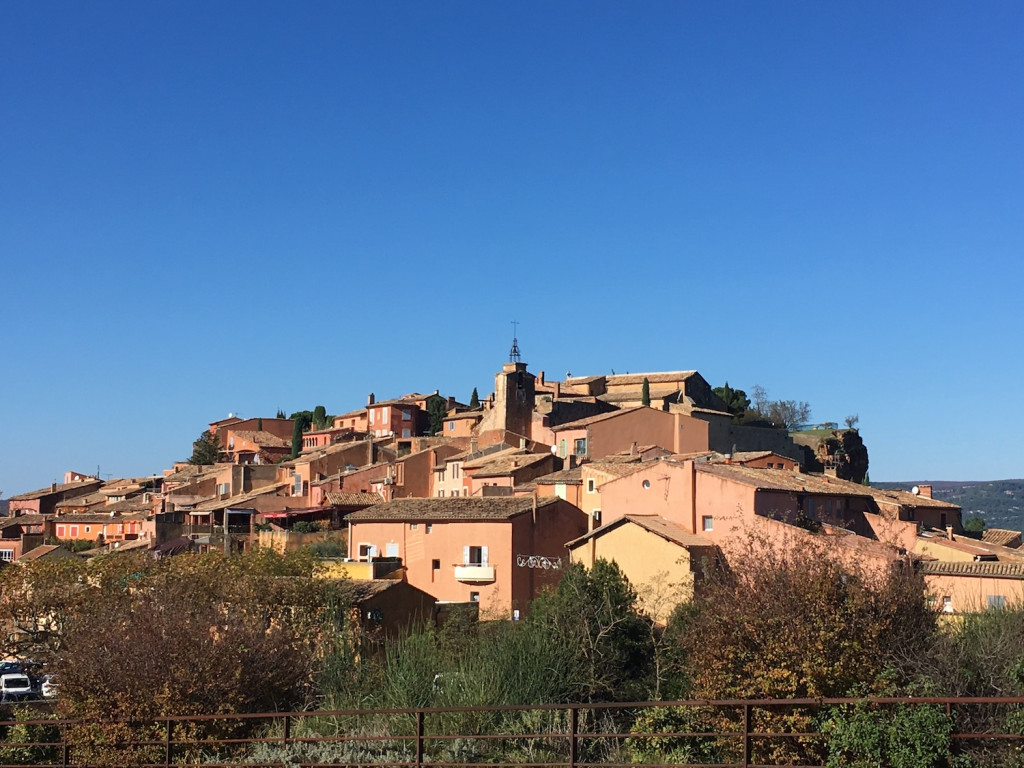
(15, 687)
(48, 687)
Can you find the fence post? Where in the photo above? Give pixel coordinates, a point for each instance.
(167, 743)
(65, 747)
(419, 738)
(574, 729)
(287, 735)
(746, 735)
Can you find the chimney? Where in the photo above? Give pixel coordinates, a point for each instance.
(924, 491)
(540, 377)
(450, 403)
(632, 449)
(370, 400)
(949, 532)
(558, 390)
(472, 445)
(53, 487)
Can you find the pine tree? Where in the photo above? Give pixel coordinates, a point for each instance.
(259, 425)
(205, 450)
(474, 399)
(645, 393)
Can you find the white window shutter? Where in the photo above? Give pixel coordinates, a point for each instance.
(483, 555)
(465, 555)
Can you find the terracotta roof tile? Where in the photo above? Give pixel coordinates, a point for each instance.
(263, 438)
(655, 524)
(343, 499)
(970, 568)
(461, 508)
(509, 464)
(32, 495)
(572, 476)
(581, 423)
(1002, 537)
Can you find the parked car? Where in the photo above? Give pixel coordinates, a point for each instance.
(48, 687)
(16, 686)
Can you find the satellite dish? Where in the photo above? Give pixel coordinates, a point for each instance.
(915, 490)
(554, 449)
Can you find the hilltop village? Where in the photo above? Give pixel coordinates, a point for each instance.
(433, 502)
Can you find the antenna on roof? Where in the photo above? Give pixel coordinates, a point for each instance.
(513, 355)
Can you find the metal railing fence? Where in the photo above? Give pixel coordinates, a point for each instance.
(708, 734)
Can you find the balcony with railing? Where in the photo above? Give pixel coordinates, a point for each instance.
(474, 572)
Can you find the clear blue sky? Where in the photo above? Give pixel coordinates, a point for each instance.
(245, 206)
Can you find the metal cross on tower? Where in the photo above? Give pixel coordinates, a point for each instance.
(513, 355)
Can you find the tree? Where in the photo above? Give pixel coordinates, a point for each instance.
(645, 393)
(280, 414)
(305, 419)
(736, 400)
(212, 621)
(851, 421)
(437, 409)
(259, 425)
(474, 399)
(206, 450)
(974, 526)
(788, 414)
(802, 623)
(320, 418)
(594, 615)
(296, 438)
(759, 395)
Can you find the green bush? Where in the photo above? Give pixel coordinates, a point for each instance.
(907, 736)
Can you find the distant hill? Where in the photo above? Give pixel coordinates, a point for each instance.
(999, 502)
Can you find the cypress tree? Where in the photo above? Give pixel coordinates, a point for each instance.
(296, 438)
(645, 393)
(474, 399)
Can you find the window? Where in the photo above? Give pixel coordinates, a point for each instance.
(405, 414)
(88, 529)
(455, 493)
(73, 532)
(474, 597)
(60, 531)
(371, 415)
(596, 514)
(6, 555)
(407, 432)
(451, 426)
(455, 471)
(947, 604)
(645, 484)
(391, 549)
(581, 446)
(435, 565)
(413, 526)
(367, 551)
(430, 527)
(474, 555)
(384, 416)
(562, 451)
(591, 487)
(996, 602)
(707, 523)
